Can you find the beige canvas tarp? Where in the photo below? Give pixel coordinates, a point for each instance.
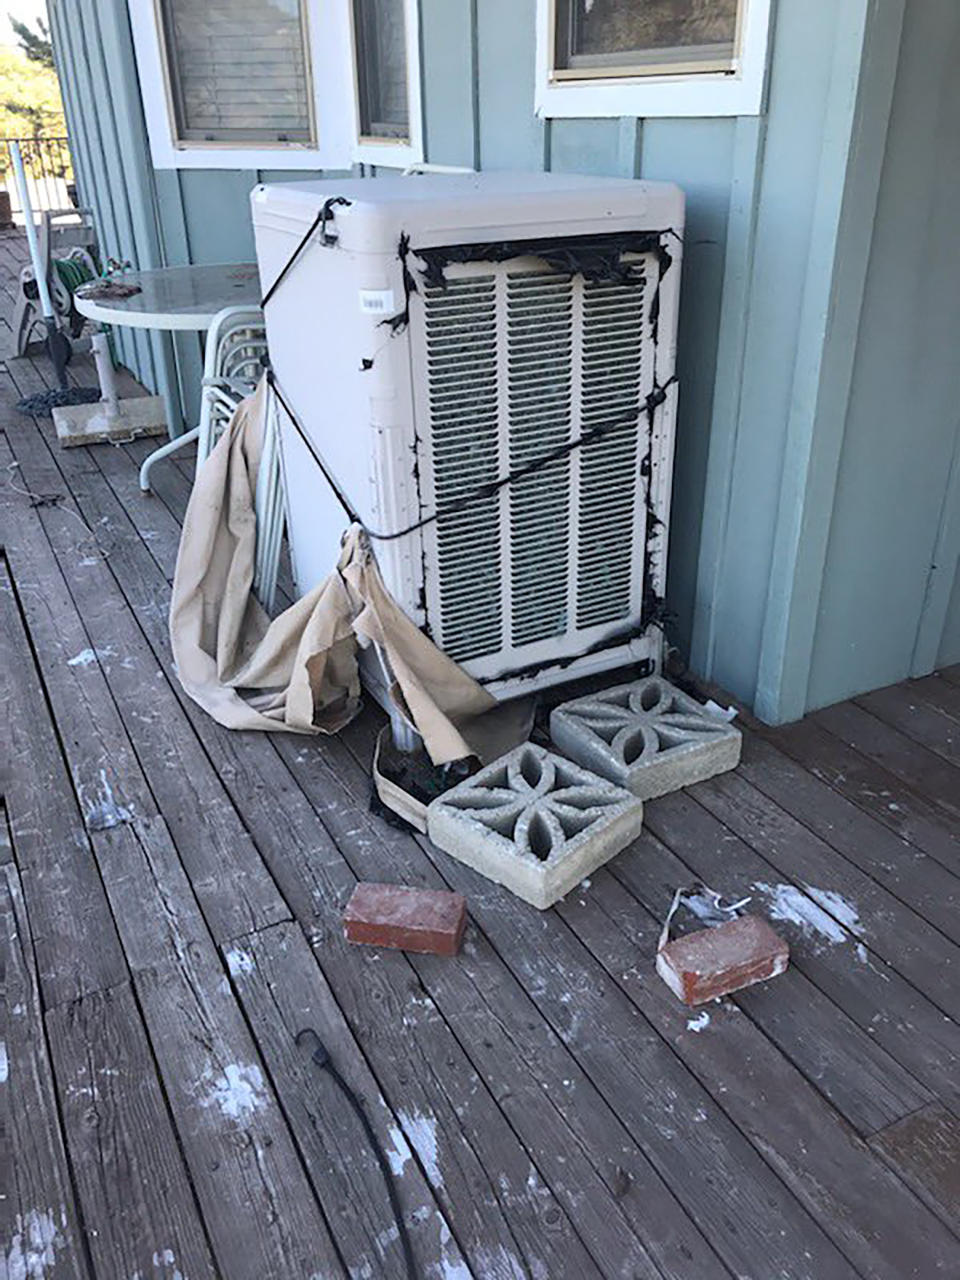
(299, 672)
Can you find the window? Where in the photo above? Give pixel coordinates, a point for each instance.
(379, 28)
(651, 57)
(612, 37)
(237, 70)
(279, 84)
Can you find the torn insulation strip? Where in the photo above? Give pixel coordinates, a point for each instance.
(596, 258)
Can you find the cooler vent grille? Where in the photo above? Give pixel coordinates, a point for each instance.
(610, 391)
(540, 411)
(520, 360)
(462, 368)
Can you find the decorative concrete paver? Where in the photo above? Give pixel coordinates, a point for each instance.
(648, 737)
(534, 822)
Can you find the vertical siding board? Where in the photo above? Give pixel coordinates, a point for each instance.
(212, 219)
(175, 251)
(629, 145)
(216, 207)
(171, 224)
(448, 73)
(76, 122)
(128, 135)
(584, 146)
(120, 184)
(949, 653)
(511, 136)
(938, 634)
(892, 484)
(300, 175)
(84, 134)
(748, 143)
(805, 53)
(843, 215)
(140, 184)
(99, 190)
(699, 156)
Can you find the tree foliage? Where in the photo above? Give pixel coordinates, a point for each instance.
(35, 44)
(30, 104)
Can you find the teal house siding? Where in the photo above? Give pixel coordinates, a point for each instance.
(94, 55)
(948, 652)
(891, 567)
(815, 531)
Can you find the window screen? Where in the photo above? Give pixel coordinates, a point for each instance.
(238, 70)
(638, 37)
(381, 49)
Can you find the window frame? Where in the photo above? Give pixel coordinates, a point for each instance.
(335, 107)
(174, 91)
(680, 92)
(393, 153)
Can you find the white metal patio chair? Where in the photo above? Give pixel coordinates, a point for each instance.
(235, 348)
(270, 507)
(233, 366)
(234, 355)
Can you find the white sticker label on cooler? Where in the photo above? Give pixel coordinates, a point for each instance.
(377, 302)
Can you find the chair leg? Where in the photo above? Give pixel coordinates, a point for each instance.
(25, 318)
(164, 451)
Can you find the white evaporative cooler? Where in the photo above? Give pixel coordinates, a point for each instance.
(437, 334)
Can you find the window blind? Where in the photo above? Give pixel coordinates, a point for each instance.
(238, 70)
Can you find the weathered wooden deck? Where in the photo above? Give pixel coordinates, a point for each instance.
(170, 894)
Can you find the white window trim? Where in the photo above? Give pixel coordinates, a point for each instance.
(740, 93)
(335, 104)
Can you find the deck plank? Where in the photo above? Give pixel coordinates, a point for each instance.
(92, 652)
(39, 1230)
(920, 768)
(864, 1208)
(862, 1081)
(885, 798)
(925, 723)
(937, 692)
(885, 925)
(577, 1140)
(242, 1160)
(74, 937)
(830, 1170)
(888, 1008)
(263, 793)
(925, 1150)
(138, 1208)
(699, 1151)
(260, 1211)
(914, 877)
(282, 990)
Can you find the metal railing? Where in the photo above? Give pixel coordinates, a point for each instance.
(49, 169)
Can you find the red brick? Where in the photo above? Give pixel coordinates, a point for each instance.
(713, 962)
(393, 915)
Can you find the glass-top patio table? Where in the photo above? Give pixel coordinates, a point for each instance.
(173, 299)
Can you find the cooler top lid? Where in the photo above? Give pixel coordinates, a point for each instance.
(428, 206)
